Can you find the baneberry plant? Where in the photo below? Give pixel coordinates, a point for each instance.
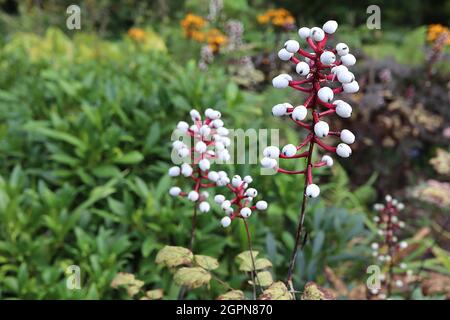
(239, 207)
(210, 139)
(325, 74)
(387, 249)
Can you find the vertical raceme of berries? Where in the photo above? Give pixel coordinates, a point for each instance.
(323, 75)
(209, 141)
(239, 206)
(387, 249)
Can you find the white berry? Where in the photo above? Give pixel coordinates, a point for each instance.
(312, 190)
(289, 150)
(183, 126)
(328, 160)
(174, 191)
(321, 129)
(204, 206)
(226, 221)
(271, 152)
(186, 170)
(213, 176)
(292, 46)
(236, 181)
(327, 58)
(325, 94)
(342, 49)
(246, 212)
(302, 68)
(351, 87)
(279, 110)
(317, 34)
(348, 60)
(347, 136)
(268, 163)
(219, 198)
(174, 171)
(304, 32)
(330, 26)
(261, 205)
(204, 164)
(345, 76)
(299, 113)
(343, 109)
(195, 115)
(200, 147)
(193, 196)
(284, 55)
(343, 150)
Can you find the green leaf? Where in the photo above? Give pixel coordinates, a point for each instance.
(263, 279)
(132, 157)
(277, 291)
(260, 264)
(171, 256)
(206, 262)
(192, 277)
(246, 256)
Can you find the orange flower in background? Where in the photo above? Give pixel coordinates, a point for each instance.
(215, 39)
(191, 25)
(277, 17)
(437, 30)
(136, 34)
(194, 28)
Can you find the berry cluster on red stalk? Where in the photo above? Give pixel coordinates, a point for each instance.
(240, 206)
(325, 74)
(321, 69)
(387, 249)
(210, 141)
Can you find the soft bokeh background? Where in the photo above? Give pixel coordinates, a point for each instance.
(85, 123)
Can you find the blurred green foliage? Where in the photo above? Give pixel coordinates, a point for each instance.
(85, 127)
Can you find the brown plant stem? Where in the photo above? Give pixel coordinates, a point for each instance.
(249, 240)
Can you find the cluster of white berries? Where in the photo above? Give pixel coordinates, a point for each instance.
(322, 64)
(241, 204)
(388, 223)
(210, 140)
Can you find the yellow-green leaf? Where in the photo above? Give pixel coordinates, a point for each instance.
(244, 259)
(192, 277)
(263, 279)
(122, 279)
(232, 295)
(171, 256)
(260, 264)
(206, 262)
(126, 279)
(155, 294)
(277, 291)
(314, 292)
